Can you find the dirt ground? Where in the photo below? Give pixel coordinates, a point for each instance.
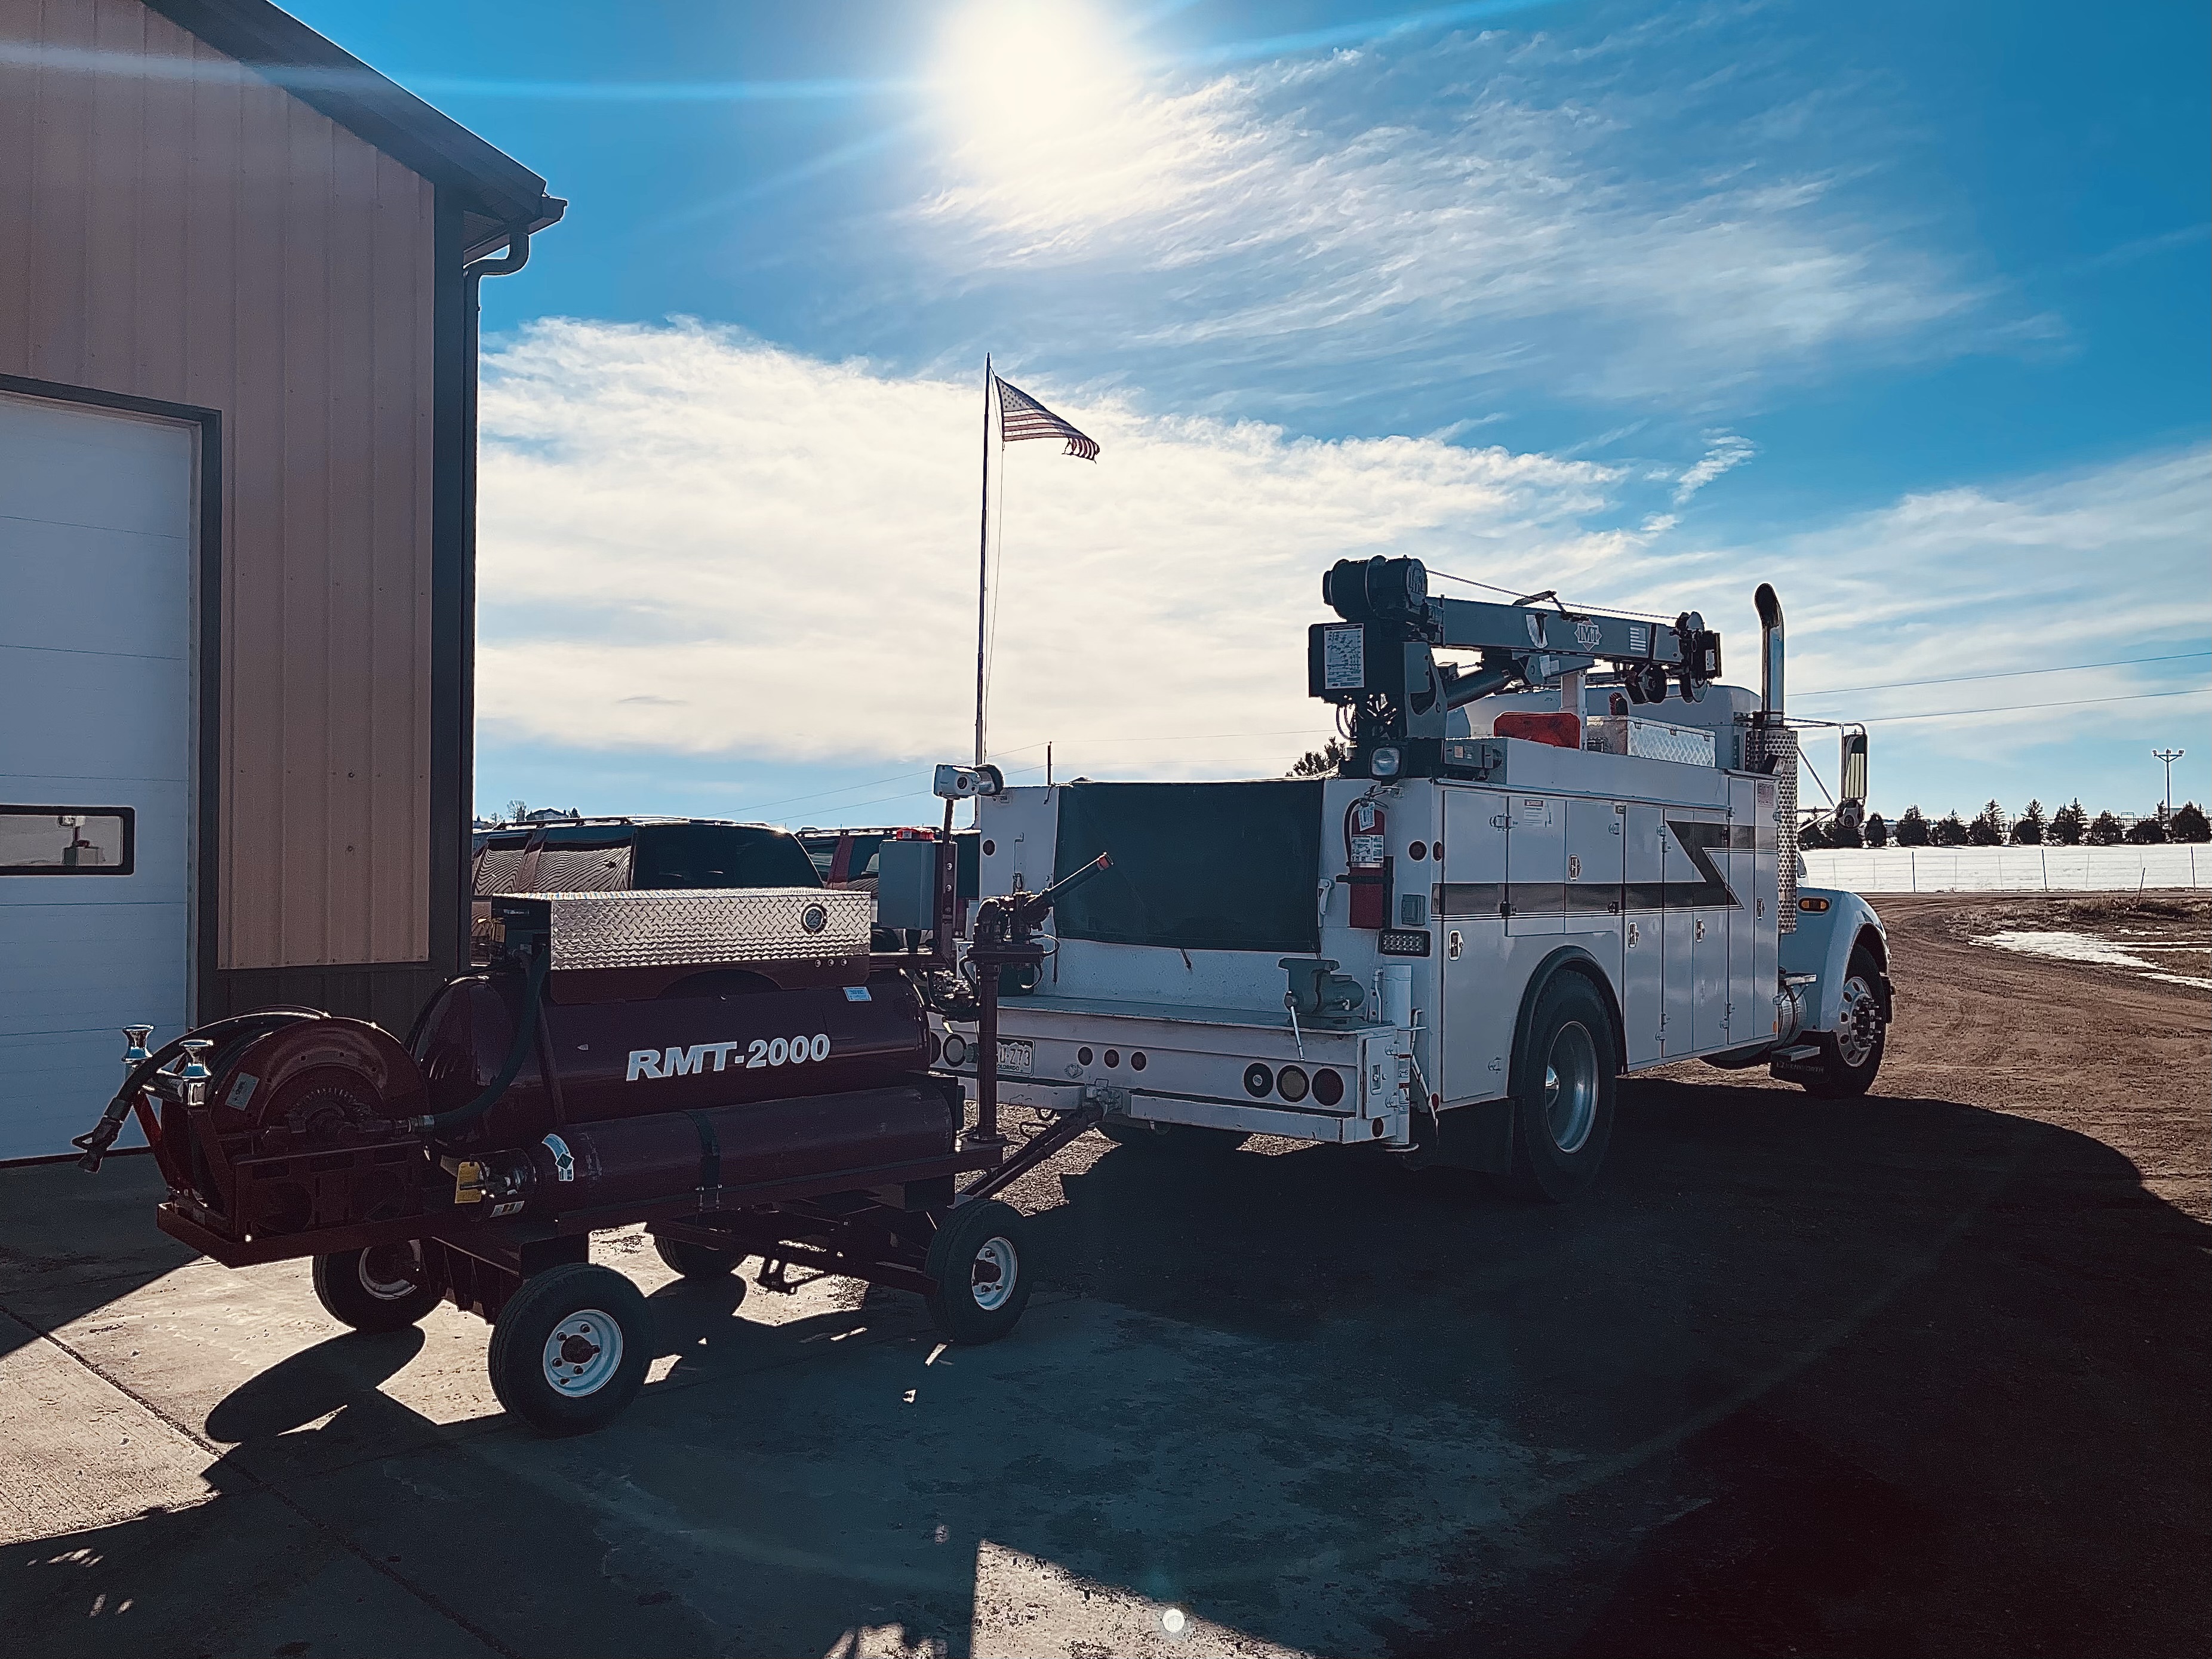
(1925, 1373)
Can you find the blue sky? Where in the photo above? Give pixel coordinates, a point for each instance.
(1901, 307)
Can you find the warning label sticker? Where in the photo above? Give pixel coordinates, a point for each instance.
(1344, 658)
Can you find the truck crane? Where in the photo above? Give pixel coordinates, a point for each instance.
(1558, 850)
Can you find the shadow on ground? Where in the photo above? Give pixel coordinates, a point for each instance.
(1894, 1375)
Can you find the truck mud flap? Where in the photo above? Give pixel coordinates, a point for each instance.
(1477, 1138)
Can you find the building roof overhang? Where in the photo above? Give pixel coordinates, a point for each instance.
(499, 195)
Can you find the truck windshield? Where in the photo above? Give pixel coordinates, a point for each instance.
(1205, 866)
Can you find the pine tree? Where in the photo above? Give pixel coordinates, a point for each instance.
(1841, 834)
(2028, 831)
(1877, 831)
(2104, 832)
(2147, 832)
(1811, 834)
(1988, 829)
(1321, 762)
(2067, 824)
(2189, 823)
(1912, 828)
(1948, 831)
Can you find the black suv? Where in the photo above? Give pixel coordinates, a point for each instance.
(609, 854)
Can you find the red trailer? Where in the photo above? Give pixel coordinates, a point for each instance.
(732, 1066)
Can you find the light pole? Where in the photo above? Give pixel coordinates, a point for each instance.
(2169, 755)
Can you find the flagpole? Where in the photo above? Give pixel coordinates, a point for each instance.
(983, 563)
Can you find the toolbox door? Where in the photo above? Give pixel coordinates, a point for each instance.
(1644, 910)
(1696, 931)
(1475, 1028)
(1536, 865)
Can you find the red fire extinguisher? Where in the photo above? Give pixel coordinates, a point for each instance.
(1367, 865)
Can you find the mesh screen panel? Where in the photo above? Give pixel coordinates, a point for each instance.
(1780, 743)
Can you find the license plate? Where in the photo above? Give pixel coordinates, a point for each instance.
(1015, 1059)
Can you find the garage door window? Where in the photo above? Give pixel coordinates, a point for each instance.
(66, 841)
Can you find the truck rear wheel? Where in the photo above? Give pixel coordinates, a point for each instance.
(1563, 1091)
(979, 1261)
(1852, 1053)
(1186, 1139)
(569, 1349)
(385, 1287)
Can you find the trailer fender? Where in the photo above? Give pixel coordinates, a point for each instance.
(1571, 959)
(1822, 945)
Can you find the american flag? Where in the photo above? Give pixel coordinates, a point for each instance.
(1021, 415)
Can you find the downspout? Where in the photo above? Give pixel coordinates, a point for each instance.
(472, 275)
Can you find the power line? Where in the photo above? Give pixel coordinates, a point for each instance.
(2011, 707)
(2007, 673)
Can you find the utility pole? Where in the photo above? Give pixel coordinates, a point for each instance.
(2169, 755)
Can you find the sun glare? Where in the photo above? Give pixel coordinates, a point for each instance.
(1023, 75)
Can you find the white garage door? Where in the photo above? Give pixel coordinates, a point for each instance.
(96, 551)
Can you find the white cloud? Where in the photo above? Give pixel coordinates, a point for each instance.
(1723, 451)
(1498, 218)
(696, 542)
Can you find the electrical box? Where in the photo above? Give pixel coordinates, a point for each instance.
(906, 885)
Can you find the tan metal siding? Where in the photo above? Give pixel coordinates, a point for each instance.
(181, 229)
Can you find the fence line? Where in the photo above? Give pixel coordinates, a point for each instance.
(2008, 869)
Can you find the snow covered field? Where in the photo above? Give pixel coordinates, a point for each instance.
(2008, 869)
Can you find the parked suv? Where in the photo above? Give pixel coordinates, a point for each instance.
(604, 854)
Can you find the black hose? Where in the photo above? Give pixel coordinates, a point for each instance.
(96, 1141)
(445, 1123)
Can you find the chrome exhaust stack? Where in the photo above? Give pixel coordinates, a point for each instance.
(1770, 654)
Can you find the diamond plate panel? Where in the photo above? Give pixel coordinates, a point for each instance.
(1624, 734)
(707, 926)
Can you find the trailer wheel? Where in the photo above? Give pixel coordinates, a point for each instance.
(982, 1279)
(385, 1287)
(1563, 1091)
(1183, 1140)
(696, 1260)
(1851, 1054)
(568, 1352)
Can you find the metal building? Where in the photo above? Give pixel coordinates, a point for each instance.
(238, 366)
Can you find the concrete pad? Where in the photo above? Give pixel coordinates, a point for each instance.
(244, 1574)
(77, 1452)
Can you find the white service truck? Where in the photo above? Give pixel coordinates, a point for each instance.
(1501, 903)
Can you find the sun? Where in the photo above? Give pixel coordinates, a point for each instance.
(1019, 77)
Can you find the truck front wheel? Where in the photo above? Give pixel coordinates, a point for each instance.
(1852, 1053)
(1563, 1091)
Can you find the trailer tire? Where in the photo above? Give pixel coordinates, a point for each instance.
(1182, 1140)
(375, 1290)
(979, 1261)
(1848, 1063)
(1563, 1091)
(696, 1260)
(569, 1350)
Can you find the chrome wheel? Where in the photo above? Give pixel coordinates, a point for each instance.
(992, 1275)
(390, 1272)
(583, 1352)
(1858, 1025)
(1571, 1087)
